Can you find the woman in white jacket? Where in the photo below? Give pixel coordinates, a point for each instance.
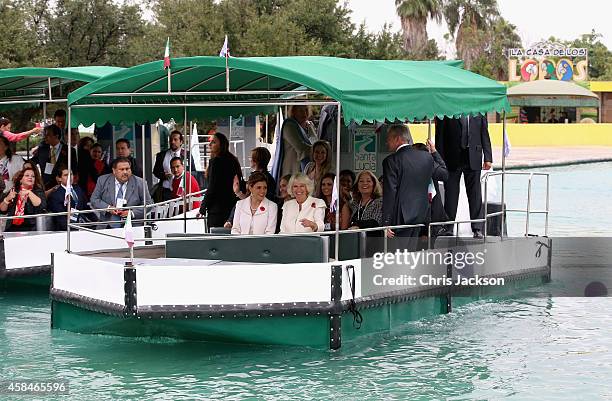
(304, 213)
(10, 164)
(255, 214)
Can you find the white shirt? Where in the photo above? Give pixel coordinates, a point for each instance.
(313, 209)
(167, 157)
(263, 221)
(401, 146)
(117, 186)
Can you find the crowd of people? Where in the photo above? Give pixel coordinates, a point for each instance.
(297, 197)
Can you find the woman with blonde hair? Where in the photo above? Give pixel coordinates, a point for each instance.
(321, 156)
(295, 142)
(304, 213)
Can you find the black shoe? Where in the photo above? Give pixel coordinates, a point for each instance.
(478, 234)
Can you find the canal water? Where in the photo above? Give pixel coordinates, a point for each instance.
(538, 344)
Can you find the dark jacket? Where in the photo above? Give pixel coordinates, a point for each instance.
(407, 174)
(220, 198)
(55, 204)
(448, 141)
(43, 156)
(29, 209)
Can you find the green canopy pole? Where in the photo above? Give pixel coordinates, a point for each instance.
(144, 175)
(68, 195)
(185, 175)
(503, 200)
(337, 181)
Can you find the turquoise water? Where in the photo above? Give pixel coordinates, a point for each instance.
(531, 346)
(580, 201)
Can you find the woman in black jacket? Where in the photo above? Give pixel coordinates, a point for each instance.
(220, 198)
(25, 198)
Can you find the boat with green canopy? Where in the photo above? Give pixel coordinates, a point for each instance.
(308, 290)
(33, 87)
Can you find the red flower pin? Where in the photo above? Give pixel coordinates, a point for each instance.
(313, 205)
(263, 209)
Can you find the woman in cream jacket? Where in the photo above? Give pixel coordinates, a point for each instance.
(255, 214)
(304, 213)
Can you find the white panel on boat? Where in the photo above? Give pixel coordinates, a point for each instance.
(89, 277)
(228, 284)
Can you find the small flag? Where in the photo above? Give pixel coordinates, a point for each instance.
(225, 51)
(333, 206)
(507, 145)
(431, 191)
(195, 149)
(68, 193)
(167, 55)
(128, 231)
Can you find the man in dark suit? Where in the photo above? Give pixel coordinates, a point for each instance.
(123, 149)
(465, 146)
(162, 169)
(56, 199)
(120, 189)
(53, 153)
(407, 173)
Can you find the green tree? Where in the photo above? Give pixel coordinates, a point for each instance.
(600, 57)
(469, 22)
(493, 62)
(19, 40)
(86, 32)
(414, 15)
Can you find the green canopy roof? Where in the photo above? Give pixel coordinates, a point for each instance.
(32, 82)
(367, 89)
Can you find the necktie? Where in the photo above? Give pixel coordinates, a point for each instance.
(465, 132)
(120, 194)
(53, 155)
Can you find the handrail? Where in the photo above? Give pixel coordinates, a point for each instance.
(527, 210)
(89, 211)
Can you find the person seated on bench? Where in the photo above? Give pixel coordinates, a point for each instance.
(304, 213)
(255, 214)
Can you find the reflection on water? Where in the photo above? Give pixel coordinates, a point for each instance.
(521, 348)
(532, 346)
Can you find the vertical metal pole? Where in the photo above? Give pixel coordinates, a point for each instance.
(266, 130)
(486, 207)
(429, 129)
(528, 205)
(49, 88)
(169, 81)
(547, 204)
(184, 175)
(68, 207)
(503, 183)
(189, 161)
(338, 127)
(144, 175)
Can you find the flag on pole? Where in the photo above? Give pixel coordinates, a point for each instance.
(107, 156)
(225, 51)
(167, 55)
(128, 231)
(431, 191)
(195, 149)
(68, 193)
(507, 145)
(333, 205)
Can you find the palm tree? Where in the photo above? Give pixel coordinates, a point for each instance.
(414, 15)
(469, 22)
